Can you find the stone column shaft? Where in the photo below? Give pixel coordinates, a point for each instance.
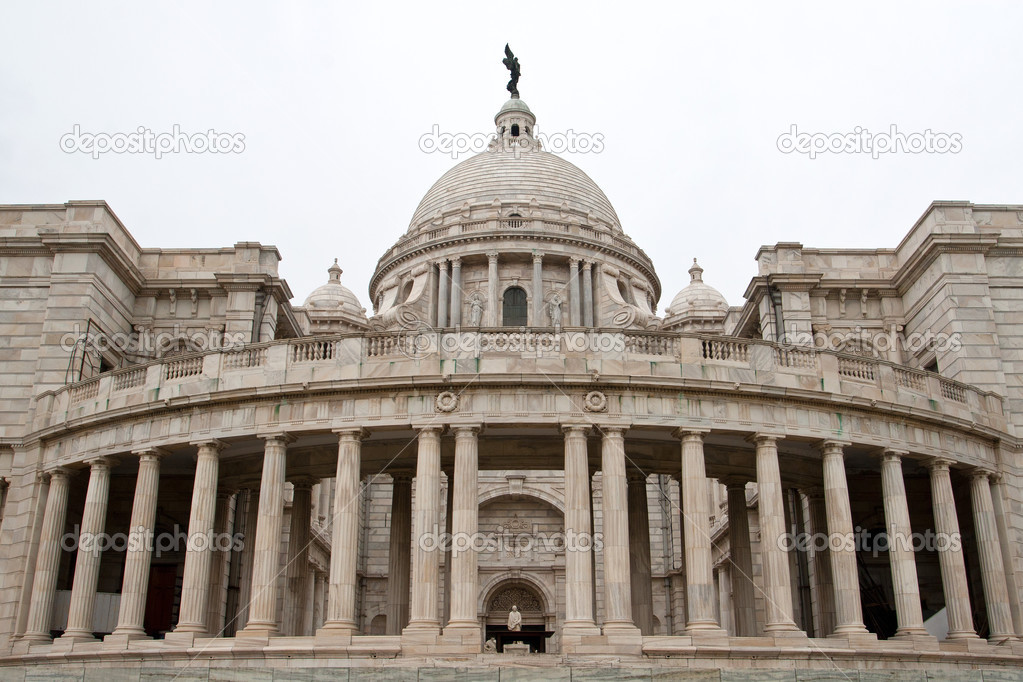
(492, 287)
(323, 507)
(992, 570)
(998, 495)
(442, 295)
(701, 596)
(195, 586)
(905, 585)
(248, 554)
(587, 299)
(297, 598)
(848, 610)
(456, 292)
(741, 576)
(319, 597)
(135, 584)
(426, 516)
(398, 558)
(950, 554)
(219, 564)
(83, 589)
(777, 578)
(574, 304)
(823, 586)
(465, 518)
(266, 556)
(617, 578)
(538, 316)
(344, 551)
(44, 583)
(639, 554)
(578, 564)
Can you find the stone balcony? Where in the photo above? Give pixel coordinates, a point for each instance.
(617, 359)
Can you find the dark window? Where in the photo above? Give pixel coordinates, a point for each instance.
(932, 366)
(514, 308)
(515, 129)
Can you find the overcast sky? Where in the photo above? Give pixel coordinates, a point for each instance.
(332, 100)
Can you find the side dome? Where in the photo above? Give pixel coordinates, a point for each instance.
(698, 306)
(333, 306)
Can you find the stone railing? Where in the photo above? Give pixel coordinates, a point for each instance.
(613, 355)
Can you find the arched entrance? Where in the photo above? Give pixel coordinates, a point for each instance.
(531, 606)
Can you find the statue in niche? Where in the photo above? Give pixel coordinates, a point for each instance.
(554, 310)
(514, 619)
(475, 311)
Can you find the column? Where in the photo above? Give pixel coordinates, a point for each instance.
(83, 589)
(998, 495)
(44, 583)
(344, 550)
(135, 584)
(992, 570)
(574, 304)
(319, 597)
(617, 578)
(950, 552)
(639, 554)
(578, 527)
(587, 293)
(426, 516)
(823, 586)
(222, 545)
(266, 555)
(456, 292)
(777, 579)
(538, 315)
(297, 596)
(398, 557)
(700, 593)
(464, 587)
(323, 506)
(195, 586)
(492, 286)
(905, 585)
(442, 295)
(741, 576)
(248, 555)
(848, 610)
(725, 609)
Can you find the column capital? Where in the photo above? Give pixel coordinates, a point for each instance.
(350, 433)
(615, 429)
(211, 443)
(813, 492)
(980, 472)
(939, 464)
(689, 433)
(283, 437)
(442, 263)
(764, 437)
(303, 482)
(466, 430)
(456, 262)
(587, 264)
(572, 428)
(734, 482)
(150, 454)
(892, 454)
(574, 261)
(101, 462)
(58, 472)
(492, 256)
(423, 429)
(538, 257)
(401, 475)
(834, 447)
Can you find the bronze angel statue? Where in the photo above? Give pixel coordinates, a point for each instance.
(512, 63)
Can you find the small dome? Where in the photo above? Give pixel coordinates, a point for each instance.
(698, 298)
(514, 104)
(334, 296)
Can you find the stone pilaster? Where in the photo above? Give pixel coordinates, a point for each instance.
(950, 553)
(492, 289)
(777, 578)
(639, 553)
(848, 610)
(344, 552)
(998, 496)
(905, 585)
(574, 304)
(44, 583)
(456, 292)
(442, 294)
(83, 589)
(195, 587)
(992, 570)
(701, 597)
(266, 555)
(297, 599)
(578, 526)
(823, 585)
(398, 557)
(424, 616)
(464, 586)
(741, 572)
(135, 584)
(587, 299)
(538, 316)
(617, 578)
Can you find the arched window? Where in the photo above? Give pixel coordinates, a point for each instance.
(515, 308)
(515, 130)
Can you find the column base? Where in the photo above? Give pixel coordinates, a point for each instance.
(125, 635)
(850, 629)
(259, 630)
(585, 628)
(705, 629)
(339, 633)
(175, 638)
(77, 635)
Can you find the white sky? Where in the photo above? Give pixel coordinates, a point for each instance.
(332, 100)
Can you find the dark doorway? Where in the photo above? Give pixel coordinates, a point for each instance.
(515, 308)
(160, 601)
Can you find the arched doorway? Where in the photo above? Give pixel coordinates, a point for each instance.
(515, 310)
(530, 605)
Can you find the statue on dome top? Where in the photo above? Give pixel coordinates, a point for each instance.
(512, 63)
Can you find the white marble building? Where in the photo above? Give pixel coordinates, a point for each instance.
(202, 479)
